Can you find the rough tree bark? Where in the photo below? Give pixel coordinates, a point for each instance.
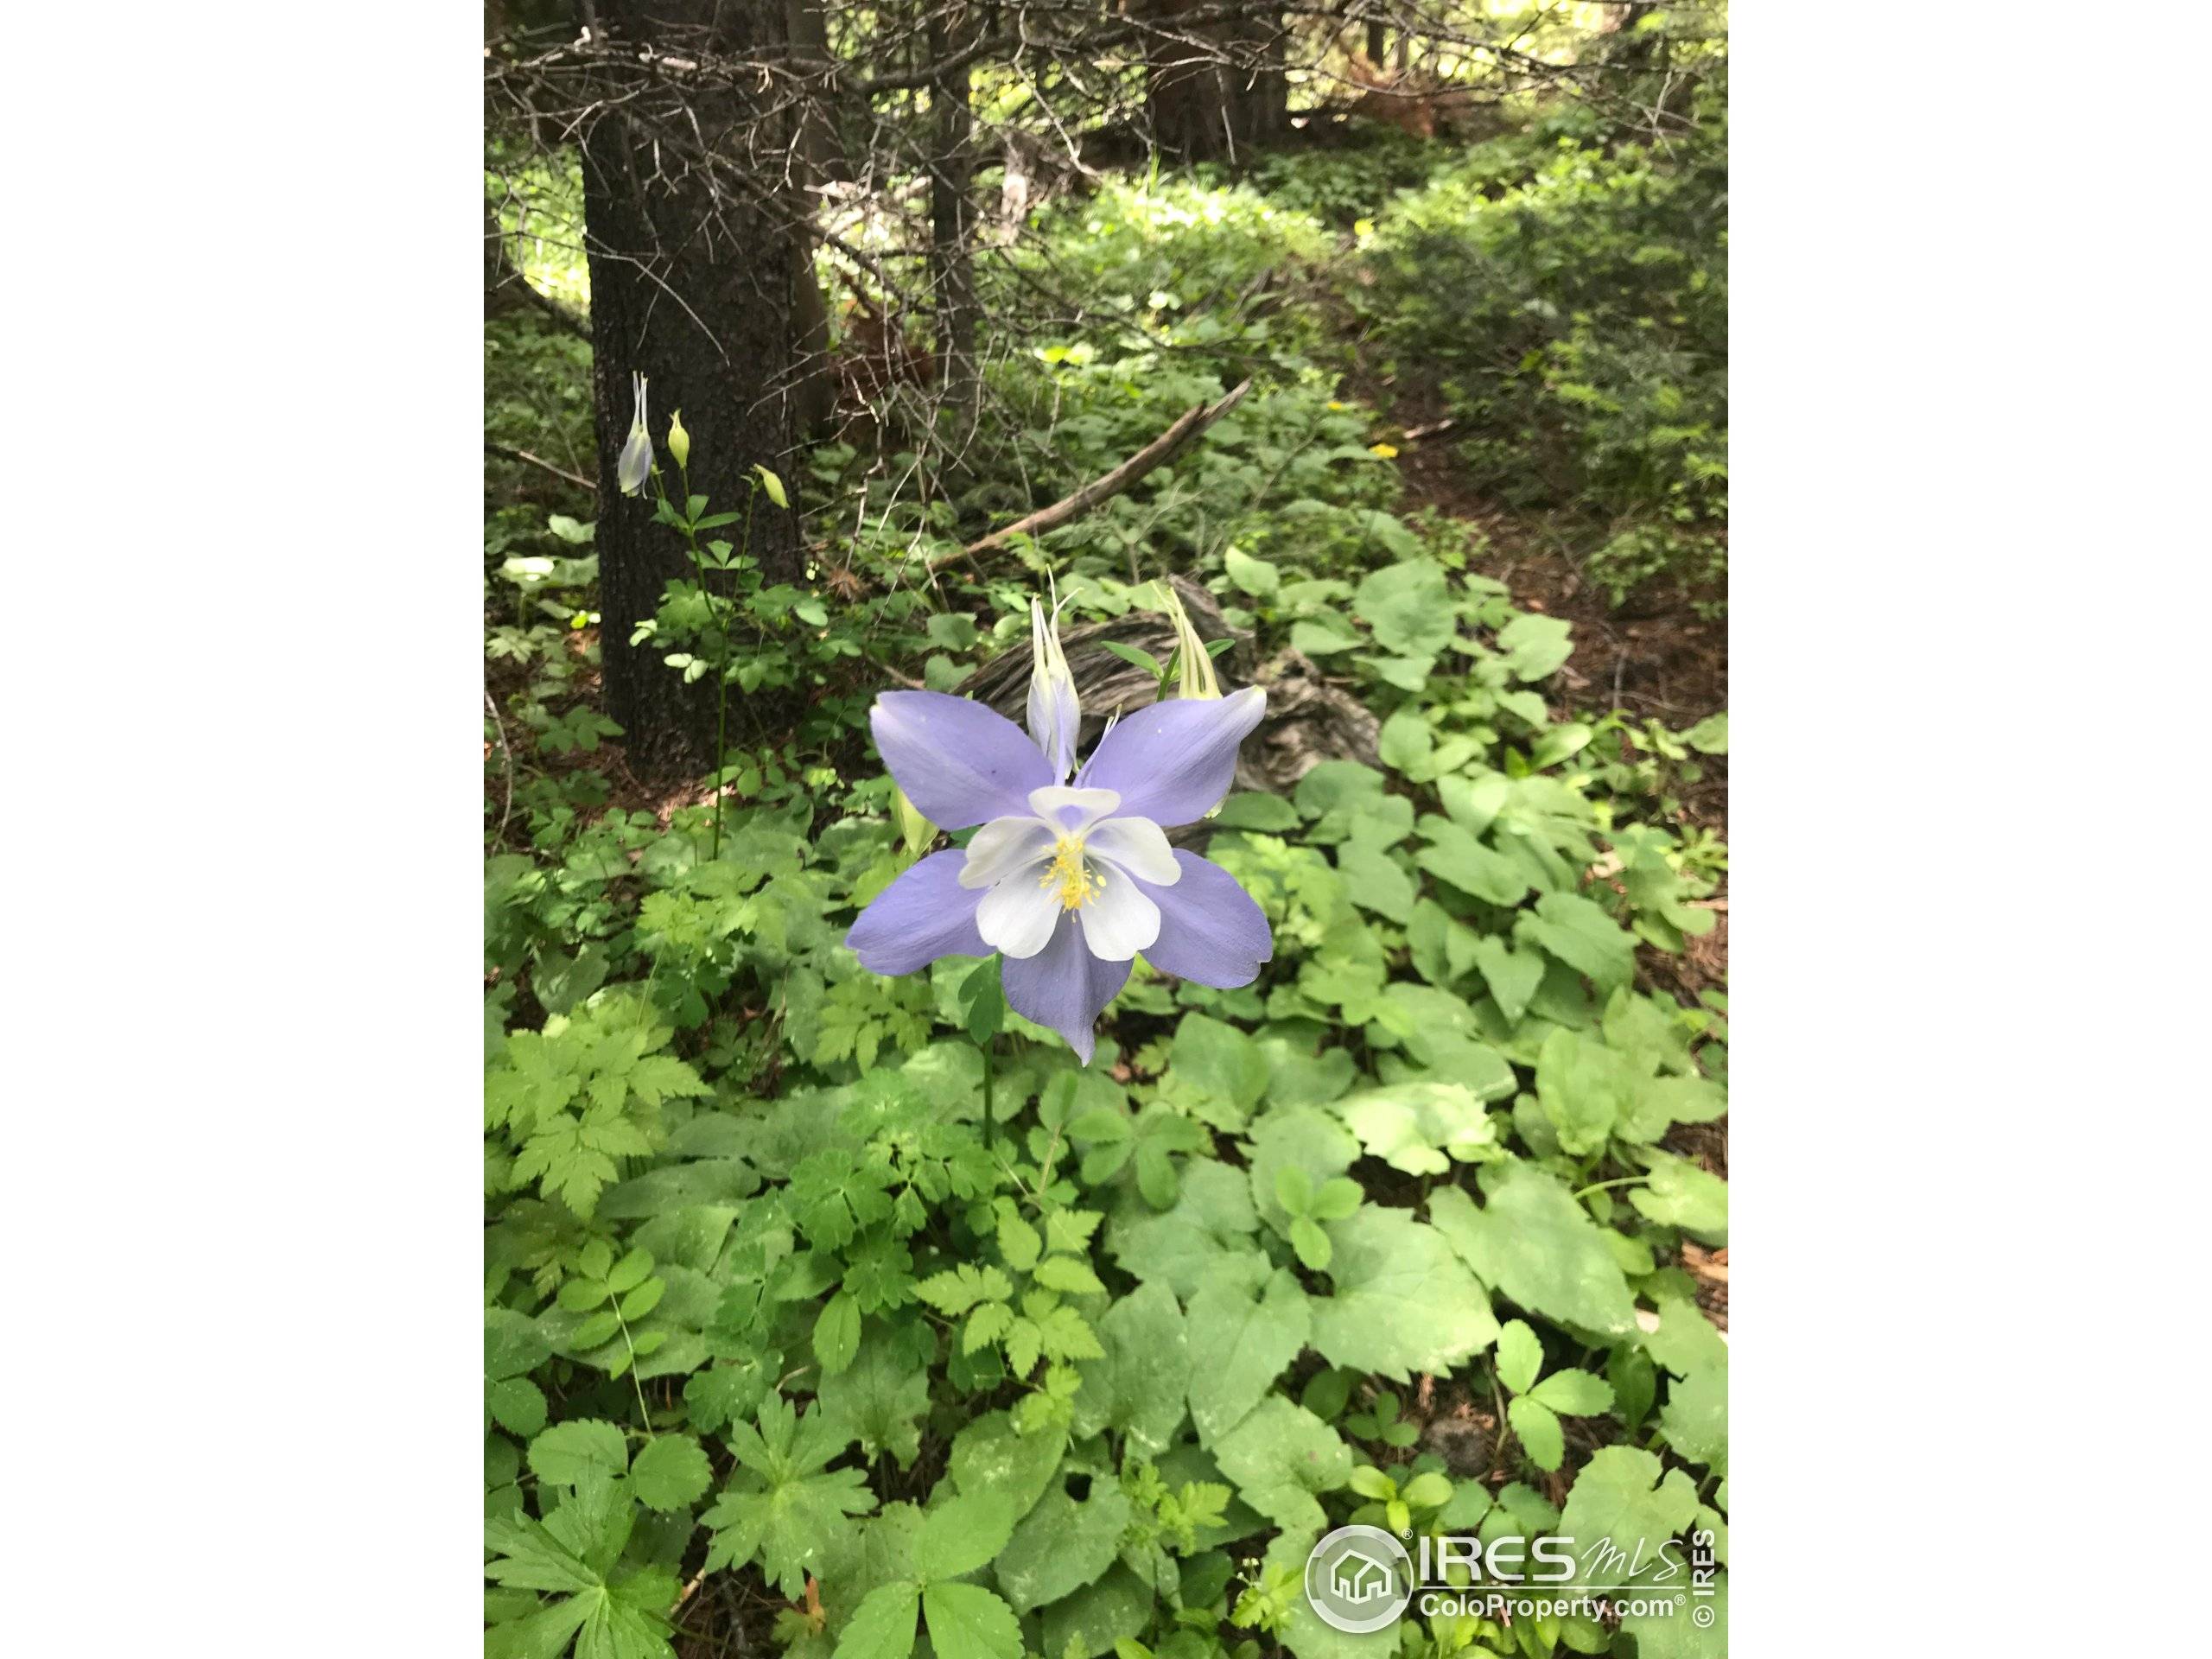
(694, 280)
(952, 219)
(1218, 88)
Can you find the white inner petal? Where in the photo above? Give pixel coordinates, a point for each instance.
(1139, 846)
(1089, 804)
(1120, 921)
(1018, 917)
(1005, 845)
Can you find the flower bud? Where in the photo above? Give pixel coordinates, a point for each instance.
(1055, 711)
(635, 464)
(1194, 664)
(679, 441)
(915, 831)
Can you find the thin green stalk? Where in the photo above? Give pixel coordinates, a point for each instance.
(984, 1049)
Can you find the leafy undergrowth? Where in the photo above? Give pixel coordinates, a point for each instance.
(803, 1327)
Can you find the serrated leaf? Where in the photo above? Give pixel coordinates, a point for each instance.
(1247, 1324)
(879, 1400)
(1520, 1355)
(961, 1534)
(1069, 1275)
(1403, 1303)
(1533, 1242)
(1575, 1393)
(1279, 1457)
(882, 1626)
(516, 1404)
(1625, 1499)
(1062, 1545)
(1018, 1241)
(670, 1473)
(968, 1622)
(1138, 1387)
(1680, 1194)
(570, 1453)
(1541, 1437)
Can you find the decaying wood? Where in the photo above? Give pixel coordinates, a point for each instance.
(1157, 453)
(1308, 720)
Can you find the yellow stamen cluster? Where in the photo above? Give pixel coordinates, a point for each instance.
(1078, 882)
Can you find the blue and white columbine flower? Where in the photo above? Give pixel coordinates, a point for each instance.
(1068, 882)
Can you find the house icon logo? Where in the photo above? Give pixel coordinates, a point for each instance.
(1358, 1579)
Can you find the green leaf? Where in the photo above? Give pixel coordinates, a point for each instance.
(1212, 1217)
(1304, 1138)
(982, 1002)
(1410, 607)
(1512, 975)
(1584, 1088)
(516, 1404)
(1062, 1545)
(1250, 810)
(988, 1457)
(1375, 882)
(879, 1400)
(1421, 1126)
(1531, 1241)
(1454, 856)
(1680, 1194)
(1215, 1070)
(670, 1473)
(1575, 1394)
(967, 1622)
(1520, 1355)
(1247, 1324)
(1135, 657)
(1581, 934)
(1253, 576)
(1695, 1417)
(1280, 1456)
(1310, 1244)
(1538, 1429)
(1534, 646)
(961, 1534)
(1677, 1635)
(1138, 1387)
(1117, 1608)
(837, 1333)
(1069, 1275)
(1403, 1303)
(1620, 1500)
(569, 1452)
(882, 1626)
(781, 1504)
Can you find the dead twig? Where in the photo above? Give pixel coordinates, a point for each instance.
(508, 755)
(512, 454)
(1162, 449)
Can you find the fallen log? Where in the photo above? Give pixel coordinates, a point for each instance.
(1157, 453)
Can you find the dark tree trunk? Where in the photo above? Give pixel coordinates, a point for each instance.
(952, 219)
(1219, 89)
(816, 158)
(694, 269)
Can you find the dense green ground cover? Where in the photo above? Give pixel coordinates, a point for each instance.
(776, 1334)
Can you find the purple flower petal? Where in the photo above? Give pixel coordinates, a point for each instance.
(924, 915)
(1211, 931)
(1065, 987)
(958, 761)
(1173, 762)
